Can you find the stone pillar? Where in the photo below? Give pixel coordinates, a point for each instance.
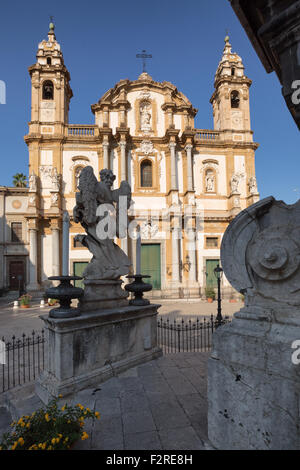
(123, 160)
(105, 146)
(65, 244)
(33, 260)
(253, 373)
(190, 184)
(172, 146)
(192, 256)
(175, 255)
(55, 249)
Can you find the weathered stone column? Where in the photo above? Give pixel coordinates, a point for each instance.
(123, 160)
(105, 146)
(192, 255)
(253, 373)
(65, 244)
(55, 248)
(175, 255)
(190, 183)
(172, 146)
(33, 260)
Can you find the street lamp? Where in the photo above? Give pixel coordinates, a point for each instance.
(218, 272)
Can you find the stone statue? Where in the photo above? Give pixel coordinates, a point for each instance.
(55, 178)
(210, 181)
(32, 182)
(109, 261)
(252, 185)
(234, 183)
(145, 117)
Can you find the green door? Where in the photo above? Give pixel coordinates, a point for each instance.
(150, 264)
(78, 268)
(211, 280)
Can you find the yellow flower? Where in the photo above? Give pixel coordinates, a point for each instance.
(0, 447)
(14, 445)
(28, 425)
(80, 406)
(47, 417)
(66, 439)
(53, 440)
(50, 448)
(60, 395)
(97, 414)
(44, 446)
(63, 408)
(21, 441)
(87, 409)
(84, 436)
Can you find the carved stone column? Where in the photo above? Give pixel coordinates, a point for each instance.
(105, 146)
(55, 247)
(172, 146)
(123, 160)
(190, 183)
(175, 256)
(65, 244)
(33, 258)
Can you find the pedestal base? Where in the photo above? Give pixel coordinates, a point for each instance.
(103, 295)
(95, 346)
(253, 385)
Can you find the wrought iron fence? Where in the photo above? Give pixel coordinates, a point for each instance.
(24, 360)
(175, 336)
(25, 356)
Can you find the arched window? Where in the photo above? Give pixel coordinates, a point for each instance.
(77, 172)
(48, 90)
(235, 99)
(48, 60)
(146, 174)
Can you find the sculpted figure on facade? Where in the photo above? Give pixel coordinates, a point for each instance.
(234, 183)
(98, 210)
(145, 116)
(55, 178)
(210, 181)
(252, 185)
(32, 182)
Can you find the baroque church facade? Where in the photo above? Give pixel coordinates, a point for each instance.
(144, 132)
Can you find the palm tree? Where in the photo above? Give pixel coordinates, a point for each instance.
(19, 180)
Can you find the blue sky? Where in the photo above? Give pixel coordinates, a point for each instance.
(100, 41)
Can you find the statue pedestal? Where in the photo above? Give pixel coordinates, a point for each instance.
(87, 350)
(103, 295)
(253, 385)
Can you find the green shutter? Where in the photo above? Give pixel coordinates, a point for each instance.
(211, 280)
(150, 264)
(79, 267)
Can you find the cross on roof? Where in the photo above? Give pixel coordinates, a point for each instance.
(144, 56)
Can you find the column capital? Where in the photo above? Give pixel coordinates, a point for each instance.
(188, 147)
(55, 224)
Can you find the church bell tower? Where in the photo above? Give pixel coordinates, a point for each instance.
(231, 97)
(51, 92)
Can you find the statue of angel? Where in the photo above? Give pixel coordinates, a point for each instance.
(109, 261)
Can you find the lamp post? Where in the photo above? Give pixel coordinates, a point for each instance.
(218, 272)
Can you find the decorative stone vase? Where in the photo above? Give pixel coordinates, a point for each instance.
(138, 287)
(64, 293)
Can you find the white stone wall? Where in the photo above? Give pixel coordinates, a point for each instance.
(46, 255)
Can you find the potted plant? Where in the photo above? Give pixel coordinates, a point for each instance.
(52, 302)
(25, 300)
(210, 294)
(49, 428)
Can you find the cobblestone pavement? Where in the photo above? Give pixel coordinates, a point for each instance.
(15, 322)
(160, 405)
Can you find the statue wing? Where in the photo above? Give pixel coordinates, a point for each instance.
(87, 198)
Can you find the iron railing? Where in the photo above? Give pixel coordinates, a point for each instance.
(176, 336)
(25, 356)
(24, 360)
